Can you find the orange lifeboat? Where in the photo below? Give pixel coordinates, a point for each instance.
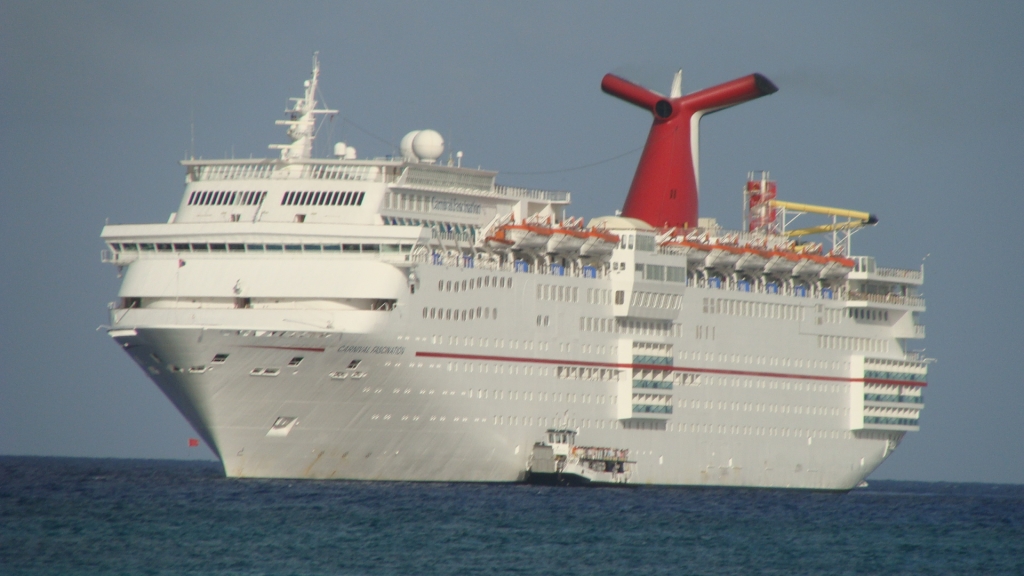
(781, 263)
(723, 256)
(752, 259)
(810, 265)
(837, 267)
(566, 240)
(520, 237)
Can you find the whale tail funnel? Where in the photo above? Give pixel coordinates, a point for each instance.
(664, 188)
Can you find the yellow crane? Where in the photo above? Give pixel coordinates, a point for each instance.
(855, 218)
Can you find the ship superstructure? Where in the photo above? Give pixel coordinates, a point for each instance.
(408, 318)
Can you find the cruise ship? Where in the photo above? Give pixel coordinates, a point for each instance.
(406, 318)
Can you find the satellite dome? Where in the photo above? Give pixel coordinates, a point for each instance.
(428, 145)
(405, 147)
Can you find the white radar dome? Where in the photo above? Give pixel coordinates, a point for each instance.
(405, 147)
(428, 146)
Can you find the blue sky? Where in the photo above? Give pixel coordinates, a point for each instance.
(909, 110)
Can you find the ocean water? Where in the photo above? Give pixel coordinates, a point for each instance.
(88, 516)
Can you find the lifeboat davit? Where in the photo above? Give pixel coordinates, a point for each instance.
(752, 260)
(837, 267)
(598, 243)
(781, 263)
(810, 265)
(498, 244)
(565, 240)
(520, 237)
(723, 257)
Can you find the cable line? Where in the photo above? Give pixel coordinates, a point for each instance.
(575, 167)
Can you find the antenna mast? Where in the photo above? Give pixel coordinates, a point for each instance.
(302, 119)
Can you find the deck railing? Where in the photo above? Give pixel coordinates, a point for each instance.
(899, 273)
(887, 298)
(545, 195)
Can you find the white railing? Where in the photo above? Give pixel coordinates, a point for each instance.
(464, 237)
(887, 298)
(264, 169)
(919, 331)
(546, 195)
(899, 273)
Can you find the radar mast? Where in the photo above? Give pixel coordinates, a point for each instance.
(302, 120)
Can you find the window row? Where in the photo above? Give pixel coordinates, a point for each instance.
(657, 300)
(543, 422)
(584, 373)
(798, 386)
(867, 314)
(241, 247)
(558, 293)
(853, 344)
(642, 241)
(531, 396)
(633, 327)
(662, 273)
(885, 375)
(909, 364)
(510, 369)
(761, 407)
(651, 408)
(486, 342)
(599, 296)
(757, 431)
(420, 203)
(437, 228)
(893, 398)
(891, 421)
(461, 315)
(753, 309)
(322, 198)
(759, 360)
(652, 360)
(479, 282)
(225, 198)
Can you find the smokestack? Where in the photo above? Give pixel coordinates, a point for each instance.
(664, 188)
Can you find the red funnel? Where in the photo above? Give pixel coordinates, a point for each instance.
(664, 189)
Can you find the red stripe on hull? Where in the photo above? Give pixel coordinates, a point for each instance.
(663, 367)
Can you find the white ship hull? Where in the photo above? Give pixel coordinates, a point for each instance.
(430, 410)
(344, 318)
